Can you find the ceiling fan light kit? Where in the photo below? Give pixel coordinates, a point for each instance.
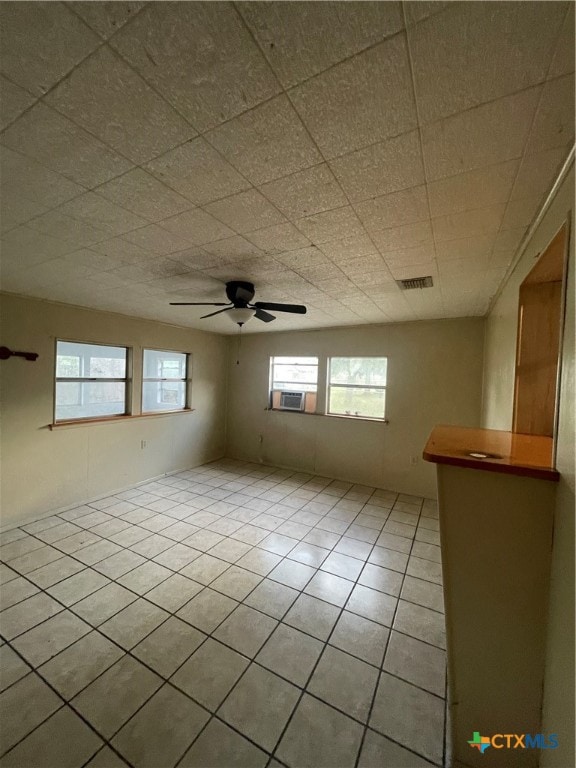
(240, 294)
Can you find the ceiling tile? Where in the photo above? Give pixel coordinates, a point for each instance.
(158, 240)
(305, 257)
(478, 247)
(382, 168)
(407, 236)
(365, 265)
(538, 172)
(348, 248)
(420, 254)
(201, 57)
(509, 240)
(245, 211)
(520, 213)
(102, 214)
(305, 193)
(59, 144)
(106, 97)
(473, 189)
(418, 11)
(26, 178)
(17, 210)
(554, 121)
(123, 251)
(141, 193)
(278, 238)
(65, 228)
(41, 42)
(563, 61)
(331, 225)
(485, 135)
(198, 172)
(232, 248)
(407, 271)
(105, 18)
(361, 101)
(197, 227)
(13, 101)
(405, 207)
(482, 221)
(25, 247)
(266, 143)
(302, 39)
(491, 53)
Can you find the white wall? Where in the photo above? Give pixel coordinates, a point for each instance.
(44, 470)
(501, 329)
(434, 377)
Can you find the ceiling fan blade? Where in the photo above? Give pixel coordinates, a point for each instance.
(199, 304)
(265, 316)
(215, 313)
(296, 309)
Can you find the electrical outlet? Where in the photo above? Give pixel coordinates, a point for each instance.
(143, 444)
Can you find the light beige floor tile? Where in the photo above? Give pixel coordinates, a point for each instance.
(104, 603)
(427, 536)
(106, 758)
(17, 547)
(6, 574)
(133, 623)
(260, 705)
(23, 706)
(424, 593)
(169, 646)
(427, 551)
(421, 623)
(382, 579)
(54, 572)
(174, 592)
(290, 653)
(345, 682)
(272, 598)
(332, 589)
(360, 637)
(342, 565)
(324, 539)
(35, 559)
(259, 561)
(207, 610)
(80, 664)
(76, 542)
(313, 616)
(210, 673)
(320, 737)
(119, 564)
(218, 746)
(396, 543)
(12, 667)
(205, 569)
(309, 554)
(96, 552)
(425, 569)
(144, 577)
(388, 558)
(245, 630)
(15, 591)
(236, 582)
(153, 545)
(63, 741)
(278, 543)
(76, 587)
(409, 716)
(292, 574)
(417, 662)
(27, 614)
(249, 534)
(162, 730)
(177, 556)
(378, 751)
(353, 548)
(47, 639)
(372, 604)
(127, 684)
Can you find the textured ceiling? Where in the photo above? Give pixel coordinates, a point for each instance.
(152, 151)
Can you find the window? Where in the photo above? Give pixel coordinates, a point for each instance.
(164, 381)
(357, 387)
(293, 383)
(91, 381)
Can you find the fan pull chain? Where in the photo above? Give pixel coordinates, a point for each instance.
(239, 343)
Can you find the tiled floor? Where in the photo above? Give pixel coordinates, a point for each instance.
(231, 615)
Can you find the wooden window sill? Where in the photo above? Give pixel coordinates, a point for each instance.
(113, 419)
(329, 415)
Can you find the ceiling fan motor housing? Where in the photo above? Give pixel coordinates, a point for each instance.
(240, 293)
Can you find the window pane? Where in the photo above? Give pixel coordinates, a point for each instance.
(163, 396)
(358, 370)
(164, 365)
(298, 373)
(89, 399)
(90, 361)
(352, 401)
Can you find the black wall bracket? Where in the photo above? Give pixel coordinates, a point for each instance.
(5, 353)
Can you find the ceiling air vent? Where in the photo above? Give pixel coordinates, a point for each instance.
(415, 282)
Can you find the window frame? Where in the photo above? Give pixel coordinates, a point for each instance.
(303, 386)
(187, 379)
(329, 385)
(126, 380)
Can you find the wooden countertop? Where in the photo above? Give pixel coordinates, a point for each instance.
(506, 452)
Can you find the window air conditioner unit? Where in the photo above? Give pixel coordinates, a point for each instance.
(292, 401)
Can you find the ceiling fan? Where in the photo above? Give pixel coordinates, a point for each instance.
(240, 295)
